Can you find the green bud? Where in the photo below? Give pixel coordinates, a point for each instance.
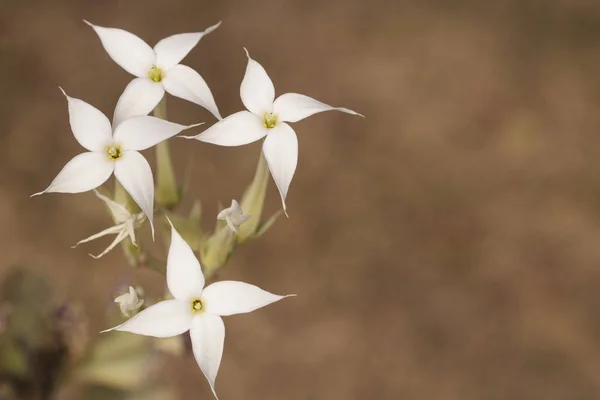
(188, 227)
(252, 204)
(216, 249)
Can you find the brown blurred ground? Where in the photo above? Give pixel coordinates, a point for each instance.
(446, 247)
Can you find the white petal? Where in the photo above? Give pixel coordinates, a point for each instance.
(124, 298)
(257, 90)
(134, 173)
(184, 275)
(142, 132)
(223, 214)
(231, 297)
(235, 206)
(165, 319)
(171, 50)
(183, 82)
(237, 220)
(293, 107)
(90, 127)
(231, 225)
(139, 98)
(86, 171)
(126, 49)
(236, 130)
(281, 152)
(208, 335)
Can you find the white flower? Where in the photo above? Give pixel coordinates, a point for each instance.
(125, 225)
(234, 216)
(157, 70)
(196, 308)
(129, 303)
(267, 117)
(110, 152)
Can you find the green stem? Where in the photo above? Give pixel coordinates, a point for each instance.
(167, 192)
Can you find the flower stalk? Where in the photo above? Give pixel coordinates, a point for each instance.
(167, 192)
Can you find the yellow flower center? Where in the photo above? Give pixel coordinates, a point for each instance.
(113, 152)
(197, 305)
(270, 120)
(156, 74)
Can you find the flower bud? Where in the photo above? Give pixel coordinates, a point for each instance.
(129, 303)
(252, 203)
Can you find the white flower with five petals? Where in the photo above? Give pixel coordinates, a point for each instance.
(112, 151)
(234, 216)
(157, 70)
(195, 308)
(267, 116)
(125, 225)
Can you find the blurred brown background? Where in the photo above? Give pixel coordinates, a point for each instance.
(445, 247)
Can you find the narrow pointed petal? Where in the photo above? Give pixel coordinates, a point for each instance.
(235, 206)
(257, 90)
(231, 297)
(184, 275)
(281, 152)
(208, 336)
(231, 225)
(139, 98)
(134, 173)
(165, 319)
(126, 49)
(108, 231)
(223, 214)
(236, 130)
(130, 231)
(118, 210)
(142, 132)
(86, 171)
(183, 82)
(293, 107)
(90, 127)
(122, 235)
(171, 50)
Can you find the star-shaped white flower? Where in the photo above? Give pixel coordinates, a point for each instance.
(157, 70)
(110, 152)
(234, 216)
(267, 116)
(129, 302)
(196, 308)
(125, 225)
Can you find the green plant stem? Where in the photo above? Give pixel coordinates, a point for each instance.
(167, 192)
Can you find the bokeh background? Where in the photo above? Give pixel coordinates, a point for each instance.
(445, 247)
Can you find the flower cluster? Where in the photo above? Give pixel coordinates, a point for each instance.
(114, 148)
